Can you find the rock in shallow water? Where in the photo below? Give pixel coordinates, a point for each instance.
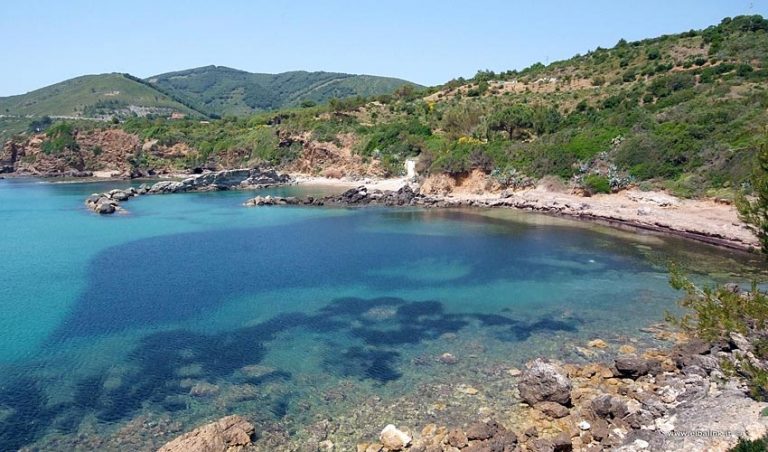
(228, 434)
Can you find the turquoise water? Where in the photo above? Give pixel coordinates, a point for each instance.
(190, 307)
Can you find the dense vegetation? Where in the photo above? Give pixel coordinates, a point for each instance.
(684, 111)
(208, 92)
(91, 96)
(223, 91)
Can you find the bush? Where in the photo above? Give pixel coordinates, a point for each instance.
(595, 183)
(716, 312)
(60, 137)
(757, 445)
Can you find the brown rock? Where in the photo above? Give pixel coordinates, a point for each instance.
(228, 434)
(483, 430)
(456, 438)
(552, 409)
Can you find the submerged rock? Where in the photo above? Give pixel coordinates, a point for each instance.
(543, 381)
(228, 434)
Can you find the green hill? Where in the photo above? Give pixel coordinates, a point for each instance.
(686, 111)
(197, 92)
(225, 91)
(93, 96)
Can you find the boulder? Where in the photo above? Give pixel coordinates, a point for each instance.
(394, 439)
(119, 195)
(608, 406)
(552, 409)
(228, 434)
(484, 430)
(166, 186)
(456, 438)
(543, 381)
(740, 342)
(634, 366)
(105, 208)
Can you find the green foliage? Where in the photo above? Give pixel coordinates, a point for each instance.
(514, 120)
(221, 90)
(713, 313)
(754, 212)
(59, 138)
(746, 445)
(394, 142)
(40, 125)
(594, 183)
(92, 95)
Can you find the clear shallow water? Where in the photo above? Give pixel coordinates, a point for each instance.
(193, 307)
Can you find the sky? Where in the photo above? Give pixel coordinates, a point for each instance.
(427, 42)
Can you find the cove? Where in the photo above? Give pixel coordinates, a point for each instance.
(192, 307)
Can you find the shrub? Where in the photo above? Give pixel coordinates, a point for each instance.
(594, 183)
(60, 137)
(746, 445)
(716, 312)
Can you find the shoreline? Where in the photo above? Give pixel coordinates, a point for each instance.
(702, 220)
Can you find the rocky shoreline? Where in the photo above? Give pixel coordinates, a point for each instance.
(237, 179)
(717, 225)
(678, 399)
(406, 196)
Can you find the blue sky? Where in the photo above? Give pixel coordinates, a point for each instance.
(428, 42)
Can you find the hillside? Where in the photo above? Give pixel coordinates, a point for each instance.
(93, 96)
(685, 112)
(225, 91)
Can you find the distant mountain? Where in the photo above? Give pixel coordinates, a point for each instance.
(222, 90)
(93, 96)
(206, 91)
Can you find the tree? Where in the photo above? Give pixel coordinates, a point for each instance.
(514, 120)
(754, 211)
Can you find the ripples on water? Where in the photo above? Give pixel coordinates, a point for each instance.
(194, 306)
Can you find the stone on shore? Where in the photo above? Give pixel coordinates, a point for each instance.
(543, 381)
(394, 439)
(634, 366)
(229, 434)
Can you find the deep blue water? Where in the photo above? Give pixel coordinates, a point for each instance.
(108, 318)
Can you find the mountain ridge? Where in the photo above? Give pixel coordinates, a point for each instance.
(207, 91)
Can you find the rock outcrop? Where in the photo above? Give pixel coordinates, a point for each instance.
(109, 202)
(223, 180)
(229, 434)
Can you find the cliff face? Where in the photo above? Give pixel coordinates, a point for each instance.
(117, 153)
(99, 150)
(111, 151)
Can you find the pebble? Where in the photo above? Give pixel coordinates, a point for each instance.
(584, 425)
(597, 343)
(448, 358)
(641, 444)
(627, 349)
(468, 390)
